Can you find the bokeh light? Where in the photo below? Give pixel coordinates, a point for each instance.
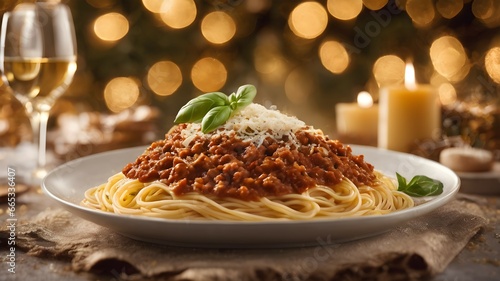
(448, 57)
(449, 8)
(268, 59)
(401, 4)
(344, 9)
(121, 93)
(492, 63)
(488, 11)
(447, 94)
(218, 27)
(389, 70)
(299, 86)
(257, 6)
(421, 12)
(334, 56)
(164, 78)
(483, 9)
(375, 4)
(111, 27)
(462, 73)
(101, 3)
(437, 79)
(153, 5)
(178, 13)
(208, 74)
(308, 20)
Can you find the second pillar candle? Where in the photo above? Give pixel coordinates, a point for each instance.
(408, 114)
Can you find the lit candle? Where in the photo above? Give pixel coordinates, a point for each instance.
(408, 114)
(357, 122)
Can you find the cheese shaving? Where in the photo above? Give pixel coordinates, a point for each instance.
(254, 123)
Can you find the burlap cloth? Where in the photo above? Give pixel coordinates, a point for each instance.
(419, 248)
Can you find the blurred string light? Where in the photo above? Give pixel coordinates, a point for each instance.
(209, 74)
(447, 94)
(178, 13)
(111, 27)
(344, 9)
(492, 63)
(121, 93)
(334, 56)
(101, 3)
(268, 59)
(449, 58)
(448, 9)
(401, 4)
(218, 27)
(164, 78)
(299, 86)
(389, 70)
(421, 12)
(437, 79)
(153, 6)
(308, 20)
(375, 4)
(257, 6)
(487, 11)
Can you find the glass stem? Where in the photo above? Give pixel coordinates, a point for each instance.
(42, 140)
(38, 120)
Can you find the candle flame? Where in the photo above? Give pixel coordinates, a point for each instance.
(365, 99)
(410, 82)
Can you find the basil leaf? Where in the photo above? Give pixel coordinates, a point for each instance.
(426, 186)
(232, 98)
(213, 109)
(401, 182)
(233, 101)
(198, 107)
(245, 95)
(215, 117)
(420, 186)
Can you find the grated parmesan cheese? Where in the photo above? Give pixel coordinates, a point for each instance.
(254, 123)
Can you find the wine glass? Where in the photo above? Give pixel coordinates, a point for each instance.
(38, 61)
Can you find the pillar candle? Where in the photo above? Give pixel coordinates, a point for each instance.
(357, 122)
(407, 114)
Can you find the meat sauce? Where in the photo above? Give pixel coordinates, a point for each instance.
(226, 166)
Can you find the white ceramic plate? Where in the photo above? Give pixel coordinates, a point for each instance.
(67, 184)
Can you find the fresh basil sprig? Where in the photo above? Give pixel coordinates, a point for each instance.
(214, 109)
(420, 186)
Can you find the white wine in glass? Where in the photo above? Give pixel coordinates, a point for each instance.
(38, 61)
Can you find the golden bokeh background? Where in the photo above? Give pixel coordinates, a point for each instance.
(303, 56)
